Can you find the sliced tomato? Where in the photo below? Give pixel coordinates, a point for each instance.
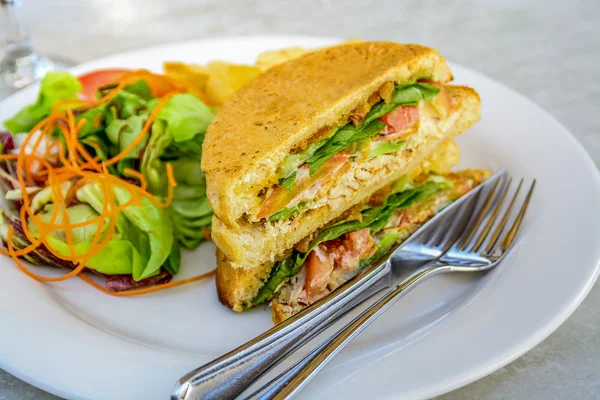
(344, 253)
(281, 198)
(401, 119)
(358, 244)
(443, 101)
(347, 251)
(96, 79)
(318, 269)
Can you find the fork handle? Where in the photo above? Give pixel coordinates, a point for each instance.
(291, 381)
(230, 374)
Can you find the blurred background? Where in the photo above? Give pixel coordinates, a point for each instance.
(547, 51)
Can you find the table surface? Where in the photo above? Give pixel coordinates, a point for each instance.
(548, 52)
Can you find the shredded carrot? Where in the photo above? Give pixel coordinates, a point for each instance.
(70, 162)
(97, 121)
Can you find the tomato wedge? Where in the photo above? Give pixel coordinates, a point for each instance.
(401, 119)
(281, 198)
(318, 269)
(443, 101)
(91, 81)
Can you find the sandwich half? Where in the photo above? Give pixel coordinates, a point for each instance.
(303, 142)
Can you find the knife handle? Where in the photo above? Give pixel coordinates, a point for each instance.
(230, 374)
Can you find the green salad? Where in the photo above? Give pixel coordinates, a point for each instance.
(144, 247)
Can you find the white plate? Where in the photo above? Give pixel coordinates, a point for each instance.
(76, 342)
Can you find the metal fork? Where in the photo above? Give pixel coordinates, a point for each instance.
(229, 375)
(483, 241)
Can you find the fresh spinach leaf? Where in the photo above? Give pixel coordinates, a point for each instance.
(288, 182)
(341, 139)
(293, 161)
(282, 270)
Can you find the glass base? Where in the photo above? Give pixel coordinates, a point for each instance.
(19, 69)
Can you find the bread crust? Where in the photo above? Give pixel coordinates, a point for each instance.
(283, 107)
(237, 287)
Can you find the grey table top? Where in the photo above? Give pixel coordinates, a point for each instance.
(548, 52)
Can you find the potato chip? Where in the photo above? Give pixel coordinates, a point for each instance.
(194, 74)
(270, 58)
(226, 78)
(219, 79)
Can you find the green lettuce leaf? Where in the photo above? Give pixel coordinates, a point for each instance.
(173, 261)
(126, 104)
(118, 257)
(146, 228)
(379, 148)
(187, 148)
(75, 214)
(288, 182)
(190, 209)
(111, 126)
(122, 132)
(384, 244)
(151, 223)
(54, 87)
(188, 172)
(91, 116)
(140, 88)
(152, 167)
(186, 116)
(285, 213)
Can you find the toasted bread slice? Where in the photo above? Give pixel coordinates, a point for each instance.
(283, 108)
(238, 287)
(250, 244)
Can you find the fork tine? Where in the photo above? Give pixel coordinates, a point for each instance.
(476, 219)
(483, 231)
(493, 239)
(514, 229)
(446, 235)
(456, 226)
(437, 236)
